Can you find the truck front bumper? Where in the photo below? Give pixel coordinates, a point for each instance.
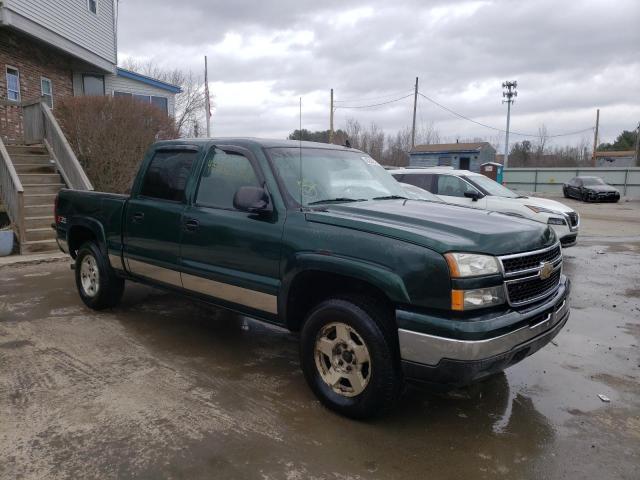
(451, 361)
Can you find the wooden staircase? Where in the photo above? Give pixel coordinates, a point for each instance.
(33, 172)
(41, 182)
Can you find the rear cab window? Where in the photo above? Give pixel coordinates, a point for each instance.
(167, 175)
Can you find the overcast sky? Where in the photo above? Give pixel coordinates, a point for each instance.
(569, 58)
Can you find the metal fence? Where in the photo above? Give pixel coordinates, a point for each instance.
(550, 180)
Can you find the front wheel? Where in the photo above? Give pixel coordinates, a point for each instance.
(349, 357)
(98, 285)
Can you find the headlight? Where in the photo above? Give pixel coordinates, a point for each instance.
(478, 298)
(471, 264)
(556, 221)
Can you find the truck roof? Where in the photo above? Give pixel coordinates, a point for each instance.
(254, 142)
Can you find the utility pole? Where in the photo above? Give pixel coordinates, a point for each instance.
(509, 93)
(415, 107)
(638, 145)
(207, 100)
(595, 138)
(331, 118)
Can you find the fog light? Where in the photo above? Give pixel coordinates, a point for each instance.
(477, 298)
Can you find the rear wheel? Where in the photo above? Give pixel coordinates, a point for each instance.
(349, 356)
(98, 285)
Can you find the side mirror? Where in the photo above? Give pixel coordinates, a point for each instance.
(252, 200)
(473, 195)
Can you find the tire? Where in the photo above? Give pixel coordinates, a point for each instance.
(585, 197)
(98, 285)
(564, 193)
(336, 331)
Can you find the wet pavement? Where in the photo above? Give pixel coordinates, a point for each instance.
(162, 387)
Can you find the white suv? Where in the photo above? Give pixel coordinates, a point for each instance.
(463, 187)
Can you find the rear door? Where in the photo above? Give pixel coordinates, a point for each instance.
(153, 219)
(228, 254)
(452, 189)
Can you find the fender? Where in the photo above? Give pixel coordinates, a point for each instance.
(376, 275)
(92, 225)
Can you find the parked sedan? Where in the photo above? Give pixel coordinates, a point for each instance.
(590, 189)
(462, 187)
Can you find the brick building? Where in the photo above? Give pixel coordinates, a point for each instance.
(52, 49)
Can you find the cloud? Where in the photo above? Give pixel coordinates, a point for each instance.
(569, 58)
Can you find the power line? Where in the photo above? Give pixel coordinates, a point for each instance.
(499, 129)
(377, 97)
(375, 104)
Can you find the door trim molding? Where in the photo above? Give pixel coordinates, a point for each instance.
(231, 293)
(224, 291)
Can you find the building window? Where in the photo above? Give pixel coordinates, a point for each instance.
(46, 87)
(159, 102)
(92, 5)
(13, 84)
(93, 85)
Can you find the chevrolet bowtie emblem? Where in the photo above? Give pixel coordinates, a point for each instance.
(546, 269)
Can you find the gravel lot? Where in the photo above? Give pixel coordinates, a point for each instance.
(162, 387)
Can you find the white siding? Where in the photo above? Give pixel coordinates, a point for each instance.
(120, 84)
(72, 20)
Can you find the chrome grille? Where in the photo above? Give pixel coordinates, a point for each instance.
(525, 261)
(524, 272)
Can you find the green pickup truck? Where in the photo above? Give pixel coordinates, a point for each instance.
(320, 239)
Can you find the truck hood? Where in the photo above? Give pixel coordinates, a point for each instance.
(439, 227)
(540, 202)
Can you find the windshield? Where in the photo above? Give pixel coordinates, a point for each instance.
(592, 181)
(491, 187)
(332, 176)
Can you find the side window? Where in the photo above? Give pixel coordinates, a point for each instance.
(452, 186)
(46, 89)
(167, 175)
(13, 84)
(424, 181)
(400, 177)
(224, 173)
(578, 182)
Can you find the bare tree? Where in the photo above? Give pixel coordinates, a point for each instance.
(354, 133)
(542, 139)
(190, 103)
(427, 134)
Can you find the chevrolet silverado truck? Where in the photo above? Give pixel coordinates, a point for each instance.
(320, 239)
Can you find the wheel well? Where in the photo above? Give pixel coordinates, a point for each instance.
(77, 236)
(311, 287)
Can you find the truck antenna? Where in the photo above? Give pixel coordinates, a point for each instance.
(300, 153)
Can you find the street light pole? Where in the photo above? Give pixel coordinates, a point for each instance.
(508, 93)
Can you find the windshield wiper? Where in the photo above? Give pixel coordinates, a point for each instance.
(338, 199)
(391, 197)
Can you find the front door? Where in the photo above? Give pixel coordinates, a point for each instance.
(227, 254)
(152, 221)
(464, 163)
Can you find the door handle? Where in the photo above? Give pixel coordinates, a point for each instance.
(191, 224)
(138, 217)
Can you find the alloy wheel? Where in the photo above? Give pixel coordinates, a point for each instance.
(342, 359)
